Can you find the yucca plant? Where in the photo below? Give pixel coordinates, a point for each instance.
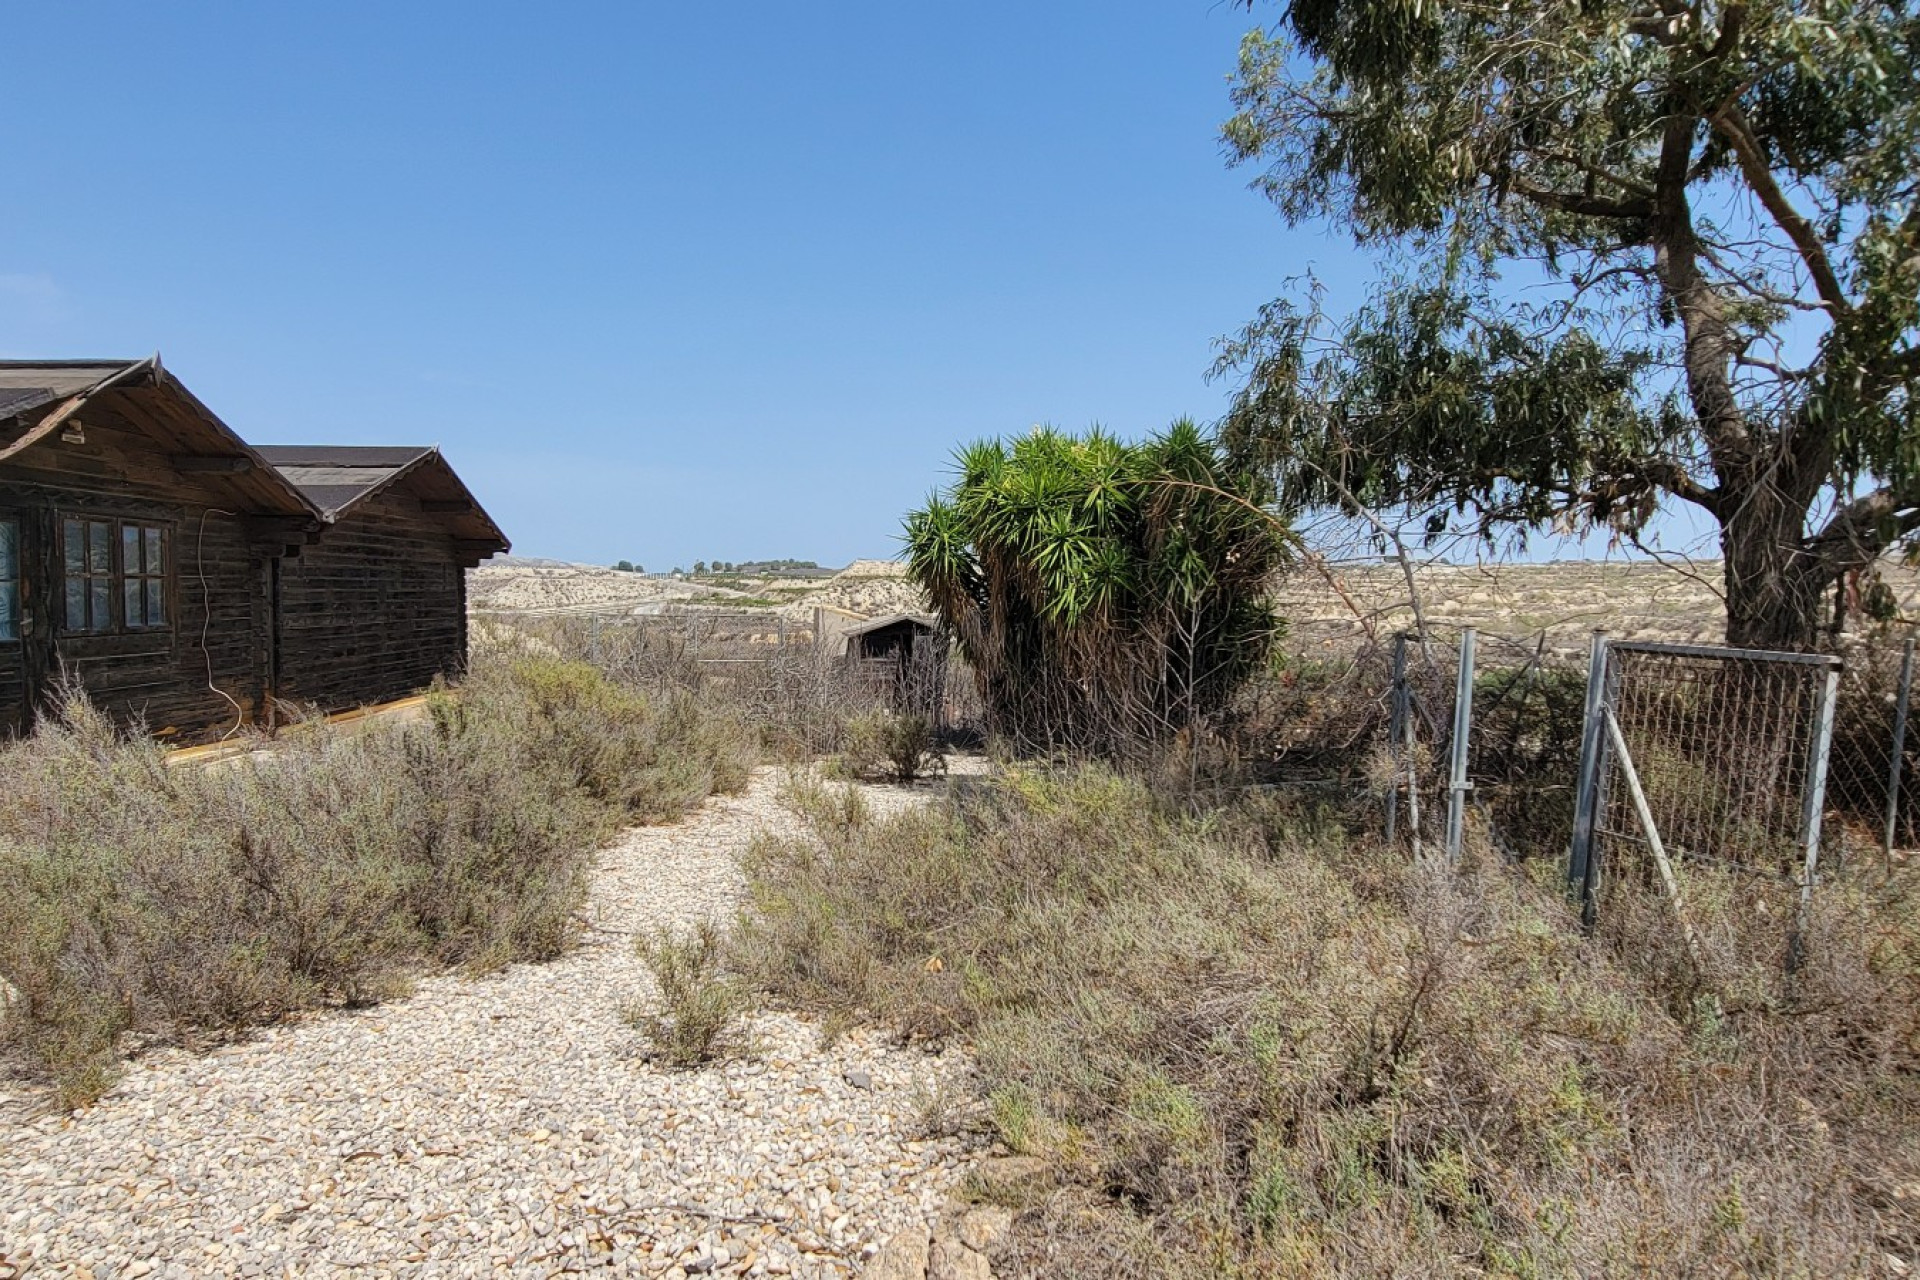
(1107, 595)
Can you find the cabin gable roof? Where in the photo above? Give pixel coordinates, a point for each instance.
(40, 399)
(339, 478)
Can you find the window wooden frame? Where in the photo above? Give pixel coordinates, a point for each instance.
(115, 574)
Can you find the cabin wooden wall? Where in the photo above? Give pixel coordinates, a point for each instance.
(374, 610)
(191, 679)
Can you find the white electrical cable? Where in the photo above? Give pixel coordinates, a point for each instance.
(206, 619)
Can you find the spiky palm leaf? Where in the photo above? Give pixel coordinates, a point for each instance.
(1103, 591)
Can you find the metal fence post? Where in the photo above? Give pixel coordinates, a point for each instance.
(1410, 733)
(1396, 713)
(1581, 871)
(1899, 753)
(1816, 806)
(1458, 786)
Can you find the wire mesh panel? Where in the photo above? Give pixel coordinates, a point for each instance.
(1872, 797)
(1726, 749)
(1524, 748)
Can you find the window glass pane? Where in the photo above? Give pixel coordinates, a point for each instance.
(9, 551)
(9, 610)
(76, 604)
(153, 551)
(129, 548)
(135, 601)
(75, 542)
(101, 604)
(99, 547)
(156, 606)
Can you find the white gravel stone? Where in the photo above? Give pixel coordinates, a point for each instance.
(504, 1125)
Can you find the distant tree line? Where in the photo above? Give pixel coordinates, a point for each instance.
(726, 566)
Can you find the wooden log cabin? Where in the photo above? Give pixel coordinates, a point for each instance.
(190, 582)
(379, 602)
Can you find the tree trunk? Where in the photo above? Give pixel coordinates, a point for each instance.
(1774, 582)
(1774, 586)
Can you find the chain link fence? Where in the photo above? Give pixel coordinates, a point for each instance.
(1697, 762)
(1740, 757)
(1382, 719)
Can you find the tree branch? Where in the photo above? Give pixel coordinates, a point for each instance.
(1861, 530)
(1778, 370)
(1632, 210)
(1676, 480)
(1601, 172)
(1730, 27)
(1710, 344)
(1731, 123)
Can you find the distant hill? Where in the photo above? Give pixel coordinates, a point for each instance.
(530, 562)
(531, 584)
(1325, 608)
(1564, 601)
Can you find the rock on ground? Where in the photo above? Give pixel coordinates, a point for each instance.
(504, 1125)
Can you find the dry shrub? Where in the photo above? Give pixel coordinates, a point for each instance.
(699, 1006)
(797, 700)
(184, 899)
(1857, 768)
(891, 746)
(1251, 1045)
(1327, 716)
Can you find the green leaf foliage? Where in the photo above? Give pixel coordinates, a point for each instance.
(1104, 593)
(1639, 253)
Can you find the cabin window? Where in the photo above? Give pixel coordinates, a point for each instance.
(115, 575)
(9, 579)
(144, 576)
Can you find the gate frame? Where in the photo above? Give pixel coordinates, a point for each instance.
(1596, 748)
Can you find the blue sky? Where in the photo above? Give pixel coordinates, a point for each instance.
(666, 282)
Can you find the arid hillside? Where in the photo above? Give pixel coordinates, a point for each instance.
(1326, 607)
(518, 586)
(1565, 599)
(866, 588)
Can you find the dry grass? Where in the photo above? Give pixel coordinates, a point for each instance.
(178, 901)
(1250, 1045)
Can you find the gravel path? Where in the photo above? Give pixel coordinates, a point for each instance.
(504, 1125)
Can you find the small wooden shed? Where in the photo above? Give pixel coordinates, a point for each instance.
(902, 659)
(897, 636)
(152, 555)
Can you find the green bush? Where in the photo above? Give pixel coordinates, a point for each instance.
(1105, 595)
(184, 899)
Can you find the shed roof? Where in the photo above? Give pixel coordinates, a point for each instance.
(924, 621)
(336, 477)
(25, 385)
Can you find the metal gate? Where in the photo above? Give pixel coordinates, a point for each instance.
(1696, 752)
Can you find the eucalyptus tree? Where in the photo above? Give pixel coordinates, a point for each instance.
(1650, 253)
(1105, 594)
